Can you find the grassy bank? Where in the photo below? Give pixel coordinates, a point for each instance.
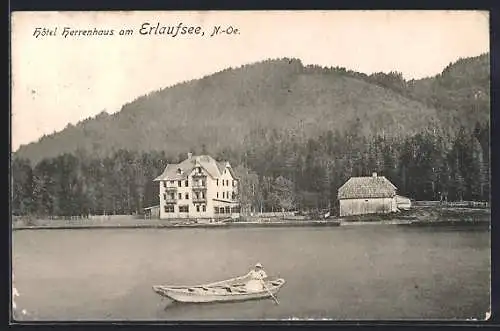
(431, 216)
(417, 216)
(130, 222)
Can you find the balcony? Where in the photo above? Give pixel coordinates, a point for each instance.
(170, 201)
(171, 188)
(199, 200)
(199, 187)
(199, 175)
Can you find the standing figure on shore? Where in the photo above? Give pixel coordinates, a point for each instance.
(257, 276)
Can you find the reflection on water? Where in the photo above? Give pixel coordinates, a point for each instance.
(358, 272)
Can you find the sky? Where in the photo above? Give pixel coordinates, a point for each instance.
(58, 80)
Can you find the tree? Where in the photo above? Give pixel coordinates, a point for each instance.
(283, 193)
(22, 187)
(248, 187)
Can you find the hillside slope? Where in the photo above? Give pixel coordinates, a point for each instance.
(463, 87)
(220, 110)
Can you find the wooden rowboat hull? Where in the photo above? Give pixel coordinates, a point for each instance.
(216, 293)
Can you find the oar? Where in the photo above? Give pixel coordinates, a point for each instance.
(270, 293)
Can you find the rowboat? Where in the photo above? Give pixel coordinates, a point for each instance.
(223, 291)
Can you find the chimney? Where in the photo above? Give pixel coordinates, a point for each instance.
(374, 174)
(190, 155)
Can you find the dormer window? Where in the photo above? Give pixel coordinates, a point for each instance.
(179, 171)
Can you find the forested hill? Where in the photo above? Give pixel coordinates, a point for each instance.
(463, 87)
(220, 111)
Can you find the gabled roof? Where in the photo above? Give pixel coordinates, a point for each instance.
(367, 187)
(212, 168)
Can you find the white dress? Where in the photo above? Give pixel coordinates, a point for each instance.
(256, 280)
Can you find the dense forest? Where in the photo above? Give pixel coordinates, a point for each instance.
(293, 133)
(277, 170)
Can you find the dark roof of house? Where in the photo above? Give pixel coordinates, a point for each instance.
(212, 167)
(367, 187)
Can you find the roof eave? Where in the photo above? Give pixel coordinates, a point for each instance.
(360, 197)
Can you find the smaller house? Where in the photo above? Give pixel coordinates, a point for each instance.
(368, 195)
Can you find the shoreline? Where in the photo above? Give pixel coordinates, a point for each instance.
(181, 226)
(331, 223)
(417, 217)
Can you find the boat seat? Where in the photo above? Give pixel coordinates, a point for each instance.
(194, 289)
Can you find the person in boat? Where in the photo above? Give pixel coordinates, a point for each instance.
(256, 280)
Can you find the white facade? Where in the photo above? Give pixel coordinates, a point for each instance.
(198, 189)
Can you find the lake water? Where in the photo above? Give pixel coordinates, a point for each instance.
(351, 272)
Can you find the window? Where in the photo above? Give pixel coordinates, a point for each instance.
(164, 184)
(217, 195)
(223, 195)
(164, 196)
(227, 182)
(172, 196)
(233, 196)
(228, 210)
(203, 195)
(179, 170)
(187, 196)
(197, 195)
(203, 183)
(204, 208)
(221, 210)
(169, 209)
(227, 195)
(184, 209)
(216, 210)
(180, 196)
(198, 208)
(186, 183)
(217, 181)
(172, 182)
(179, 183)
